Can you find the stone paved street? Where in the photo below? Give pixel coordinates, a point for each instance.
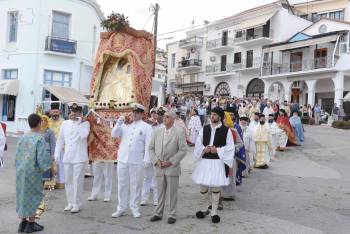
(307, 190)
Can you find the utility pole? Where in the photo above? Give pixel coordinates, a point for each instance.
(155, 9)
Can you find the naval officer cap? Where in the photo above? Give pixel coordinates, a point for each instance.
(139, 108)
(153, 110)
(244, 118)
(75, 108)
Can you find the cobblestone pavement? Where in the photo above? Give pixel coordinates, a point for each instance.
(306, 190)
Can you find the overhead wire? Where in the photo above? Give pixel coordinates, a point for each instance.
(144, 26)
(182, 29)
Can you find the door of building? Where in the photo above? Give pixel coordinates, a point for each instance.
(224, 38)
(320, 58)
(249, 58)
(296, 61)
(223, 62)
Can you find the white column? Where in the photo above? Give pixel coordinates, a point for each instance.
(287, 90)
(338, 81)
(160, 95)
(266, 89)
(311, 85)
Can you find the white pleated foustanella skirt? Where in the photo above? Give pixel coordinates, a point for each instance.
(210, 172)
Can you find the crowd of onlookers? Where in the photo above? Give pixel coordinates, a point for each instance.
(202, 106)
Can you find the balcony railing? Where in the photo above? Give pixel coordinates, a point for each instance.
(191, 41)
(61, 45)
(258, 33)
(298, 66)
(231, 67)
(222, 42)
(189, 63)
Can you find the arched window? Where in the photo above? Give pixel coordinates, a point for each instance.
(255, 88)
(222, 89)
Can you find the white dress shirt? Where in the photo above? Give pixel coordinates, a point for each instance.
(135, 138)
(226, 153)
(73, 139)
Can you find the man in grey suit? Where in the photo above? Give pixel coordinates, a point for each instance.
(166, 150)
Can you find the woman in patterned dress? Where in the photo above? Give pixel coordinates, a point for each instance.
(32, 160)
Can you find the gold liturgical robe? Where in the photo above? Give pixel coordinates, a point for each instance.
(262, 139)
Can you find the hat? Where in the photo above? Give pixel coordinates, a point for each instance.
(75, 108)
(153, 110)
(220, 112)
(261, 115)
(244, 118)
(139, 108)
(272, 115)
(161, 111)
(257, 113)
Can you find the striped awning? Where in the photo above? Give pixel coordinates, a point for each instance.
(9, 87)
(66, 95)
(301, 44)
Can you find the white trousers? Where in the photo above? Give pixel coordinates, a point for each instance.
(149, 183)
(103, 171)
(74, 182)
(60, 173)
(129, 179)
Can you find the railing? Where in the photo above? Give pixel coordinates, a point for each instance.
(61, 45)
(190, 41)
(258, 33)
(305, 65)
(231, 67)
(189, 63)
(213, 44)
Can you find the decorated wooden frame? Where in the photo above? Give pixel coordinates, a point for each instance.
(122, 76)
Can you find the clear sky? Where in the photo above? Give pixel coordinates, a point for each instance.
(177, 14)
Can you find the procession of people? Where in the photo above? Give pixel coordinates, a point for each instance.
(231, 138)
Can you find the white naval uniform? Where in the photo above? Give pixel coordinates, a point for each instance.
(103, 172)
(150, 181)
(73, 138)
(132, 156)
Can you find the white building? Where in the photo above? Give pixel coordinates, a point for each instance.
(44, 45)
(224, 58)
(315, 10)
(313, 66)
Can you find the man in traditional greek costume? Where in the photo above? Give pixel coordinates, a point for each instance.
(214, 152)
(56, 123)
(262, 139)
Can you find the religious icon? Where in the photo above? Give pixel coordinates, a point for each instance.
(117, 85)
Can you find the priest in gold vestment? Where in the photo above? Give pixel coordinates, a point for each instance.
(55, 124)
(263, 143)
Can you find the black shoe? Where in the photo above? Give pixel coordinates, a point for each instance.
(215, 219)
(33, 227)
(265, 166)
(171, 220)
(22, 226)
(155, 218)
(229, 199)
(200, 215)
(209, 207)
(220, 207)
